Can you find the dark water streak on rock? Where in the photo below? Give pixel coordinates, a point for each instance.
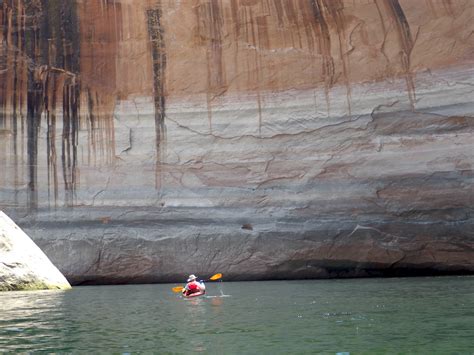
(335, 9)
(158, 52)
(406, 42)
(40, 43)
(323, 36)
(12, 83)
(34, 101)
(210, 25)
(100, 35)
(62, 27)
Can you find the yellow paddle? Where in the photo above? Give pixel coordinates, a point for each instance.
(215, 277)
(178, 289)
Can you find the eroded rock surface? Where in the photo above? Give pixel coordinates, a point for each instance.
(141, 141)
(23, 266)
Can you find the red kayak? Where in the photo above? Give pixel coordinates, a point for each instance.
(195, 294)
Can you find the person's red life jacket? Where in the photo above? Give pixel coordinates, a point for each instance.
(194, 287)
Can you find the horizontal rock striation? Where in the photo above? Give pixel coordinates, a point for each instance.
(141, 141)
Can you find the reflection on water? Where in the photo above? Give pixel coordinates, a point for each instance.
(418, 315)
(24, 313)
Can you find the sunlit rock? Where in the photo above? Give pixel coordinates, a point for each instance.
(23, 266)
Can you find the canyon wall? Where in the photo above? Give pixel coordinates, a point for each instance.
(141, 141)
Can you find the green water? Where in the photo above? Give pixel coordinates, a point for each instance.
(402, 315)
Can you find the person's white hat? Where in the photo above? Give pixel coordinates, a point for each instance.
(191, 277)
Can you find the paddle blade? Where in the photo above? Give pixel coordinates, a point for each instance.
(177, 289)
(215, 277)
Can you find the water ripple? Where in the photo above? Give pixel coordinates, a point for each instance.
(423, 315)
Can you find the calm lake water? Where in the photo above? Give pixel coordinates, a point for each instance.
(399, 315)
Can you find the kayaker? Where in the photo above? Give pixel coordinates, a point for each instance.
(194, 286)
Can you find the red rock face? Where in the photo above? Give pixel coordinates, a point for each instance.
(144, 137)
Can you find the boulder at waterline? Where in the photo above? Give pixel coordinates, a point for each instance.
(23, 266)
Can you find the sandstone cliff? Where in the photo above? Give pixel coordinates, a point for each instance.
(141, 141)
